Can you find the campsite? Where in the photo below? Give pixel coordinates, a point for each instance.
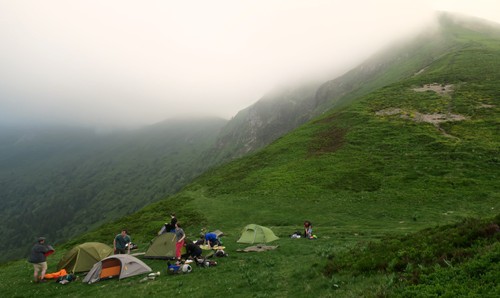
(296, 268)
(263, 272)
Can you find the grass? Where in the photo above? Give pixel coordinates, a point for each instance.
(453, 260)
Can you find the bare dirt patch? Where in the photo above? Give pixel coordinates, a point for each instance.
(438, 118)
(328, 141)
(435, 119)
(486, 106)
(389, 112)
(438, 88)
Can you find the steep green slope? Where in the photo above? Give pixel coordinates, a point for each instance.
(395, 155)
(61, 182)
(284, 109)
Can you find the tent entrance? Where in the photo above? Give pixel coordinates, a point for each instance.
(111, 268)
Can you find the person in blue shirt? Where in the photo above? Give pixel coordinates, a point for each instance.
(211, 239)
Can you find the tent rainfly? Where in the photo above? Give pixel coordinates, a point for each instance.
(82, 257)
(121, 266)
(253, 233)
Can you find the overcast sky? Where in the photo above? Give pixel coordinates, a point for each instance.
(105, 62)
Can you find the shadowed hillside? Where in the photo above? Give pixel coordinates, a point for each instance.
(61, 182)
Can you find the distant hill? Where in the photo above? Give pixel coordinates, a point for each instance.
(62, 181)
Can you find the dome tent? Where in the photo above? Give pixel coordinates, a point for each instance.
(121, 266)
(163, 247)
(253, 233)
(82, 257)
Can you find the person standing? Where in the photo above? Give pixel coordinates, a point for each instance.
(179, 236)
(121, 243)
(38, 259)
(167, 228)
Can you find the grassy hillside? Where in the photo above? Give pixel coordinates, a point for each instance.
(283, 110)
(460, 260)
(418, 153)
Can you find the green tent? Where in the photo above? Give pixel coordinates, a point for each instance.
(82, 257)
(253, 233)
(163, 247)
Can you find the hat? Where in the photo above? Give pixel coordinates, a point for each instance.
(41, 239)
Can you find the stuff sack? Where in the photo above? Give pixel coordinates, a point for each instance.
(173, 269)
(66, 279)
(132, 246)
(221, 253)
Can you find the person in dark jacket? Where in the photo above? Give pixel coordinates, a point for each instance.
(169, 227)
(38, 259)
(192, 250)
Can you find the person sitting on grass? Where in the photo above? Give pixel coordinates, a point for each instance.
(308, 232)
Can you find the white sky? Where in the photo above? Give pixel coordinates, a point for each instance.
(106, 62)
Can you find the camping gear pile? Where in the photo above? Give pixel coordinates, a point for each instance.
(179, 268)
